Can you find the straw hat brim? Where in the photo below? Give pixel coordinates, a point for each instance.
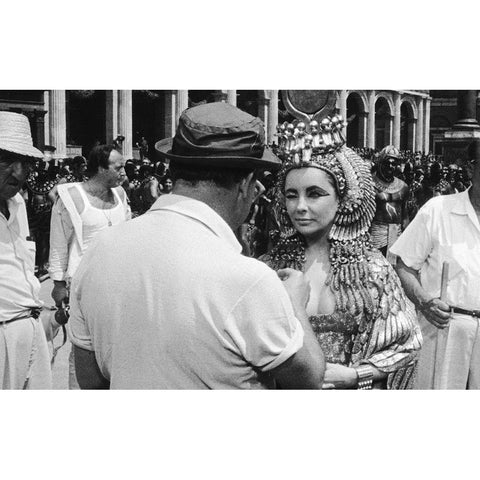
(20, 149)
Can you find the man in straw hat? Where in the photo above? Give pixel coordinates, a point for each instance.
(174, 305)
(24, 355)
(439, 266)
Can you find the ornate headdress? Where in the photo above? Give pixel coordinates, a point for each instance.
(321, 145)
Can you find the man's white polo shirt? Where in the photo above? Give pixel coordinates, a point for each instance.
(446, 228)
(168, 301)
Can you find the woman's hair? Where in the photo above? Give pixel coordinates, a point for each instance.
(99, 157)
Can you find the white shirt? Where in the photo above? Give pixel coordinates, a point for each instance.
(71, 232)
(446, 228)
(19, 288)
(167, 301)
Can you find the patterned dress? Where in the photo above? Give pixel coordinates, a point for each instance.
(389, 339)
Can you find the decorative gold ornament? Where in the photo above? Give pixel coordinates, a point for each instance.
(322, 146)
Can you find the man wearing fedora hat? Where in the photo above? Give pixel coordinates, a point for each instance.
(175, 305)
(24, 356)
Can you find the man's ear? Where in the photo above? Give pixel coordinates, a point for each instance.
(246, 184)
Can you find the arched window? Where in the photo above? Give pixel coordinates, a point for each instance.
(356, 121)
(383, 120)
(407, 123)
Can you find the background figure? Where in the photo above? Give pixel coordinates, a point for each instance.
(443, 241)
(39, 185)
(24, 356)
(391, 197)
(143, 148)
(237, 327)
(81, 211)
(364, 323)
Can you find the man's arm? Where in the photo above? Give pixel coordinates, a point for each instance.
(88, 373)
(61, 231)
(434, 310)
(306, 368)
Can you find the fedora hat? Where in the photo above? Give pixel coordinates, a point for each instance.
(219, 135)
(15, 135)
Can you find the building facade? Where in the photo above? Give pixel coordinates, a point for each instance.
(75, 120)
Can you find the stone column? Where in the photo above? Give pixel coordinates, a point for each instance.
(397, 116)
(111, 117)
(466, 110)
(58, 122)
(46, 106)
(181, 104)
(371, 120)
(232, 97)
(456, 141)
(419, 134)
(414, 135)
(363, 125)
(170, 114)
(342, 106)
(272, 117)
(125, 121)
(426, 130)
(343, 103)
(263, 108)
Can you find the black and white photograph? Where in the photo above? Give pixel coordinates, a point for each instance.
(284, 201)
(319, 239)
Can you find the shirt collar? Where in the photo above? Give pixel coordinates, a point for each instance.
(462, 203)
(13, 204)
(463, 206)
(201, 212)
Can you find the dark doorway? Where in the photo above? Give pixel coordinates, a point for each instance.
(383, 117)
(86, 118)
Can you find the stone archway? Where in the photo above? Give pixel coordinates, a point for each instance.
(356, 118)
(407, 126)
(383, 123)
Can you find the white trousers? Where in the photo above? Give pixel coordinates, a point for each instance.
(24, 356)
(450, 358)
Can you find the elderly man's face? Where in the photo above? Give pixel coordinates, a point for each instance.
(13, 173)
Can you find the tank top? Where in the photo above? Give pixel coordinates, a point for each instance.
(95, 219)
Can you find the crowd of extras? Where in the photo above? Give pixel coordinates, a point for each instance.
(426, 175)
(144, 182)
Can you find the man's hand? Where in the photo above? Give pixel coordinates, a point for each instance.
(436, 312)
(60, 293)
(298, 288)
(339, 377)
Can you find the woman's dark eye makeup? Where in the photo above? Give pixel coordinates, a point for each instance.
(313, 191)
(316, 191)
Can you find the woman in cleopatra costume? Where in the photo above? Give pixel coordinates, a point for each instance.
(324, 207)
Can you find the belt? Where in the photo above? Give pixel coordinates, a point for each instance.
(463, 311)
(34, 312)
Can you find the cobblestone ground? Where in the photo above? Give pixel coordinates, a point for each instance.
(60, 368)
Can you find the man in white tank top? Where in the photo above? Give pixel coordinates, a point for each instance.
(81, 211)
